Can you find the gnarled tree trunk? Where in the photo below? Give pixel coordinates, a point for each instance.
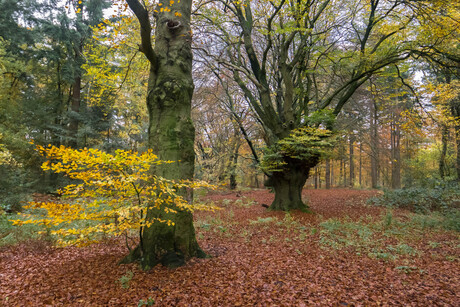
(288, 185)
(171, 131)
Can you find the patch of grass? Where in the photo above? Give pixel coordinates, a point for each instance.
(245, 202)
(246, 235)
(226, 202)
(230, 214)
(381, 254)
(434, 244)
(125, 280)
(339, 234)
(368, 237)
(261, 220)
(290, 224)
(213, 224)
(403, 249)
(148, 302)
(406, 269)
(208, 222)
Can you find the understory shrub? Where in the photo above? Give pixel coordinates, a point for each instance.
(444, 197)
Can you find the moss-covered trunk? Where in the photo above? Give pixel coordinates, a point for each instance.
(171, 134)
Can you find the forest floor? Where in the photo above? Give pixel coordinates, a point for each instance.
(346, 253)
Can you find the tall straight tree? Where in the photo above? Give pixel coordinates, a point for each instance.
(171, 131)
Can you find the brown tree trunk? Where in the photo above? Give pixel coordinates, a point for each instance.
(360, 164)
(75, 109)
(374, 146)
(455, 110)
(328, 173)
(457, 142)
(442, 158)
(341, 172)
(76, 88)
(395, 156)
(233, 165)
(352, 163)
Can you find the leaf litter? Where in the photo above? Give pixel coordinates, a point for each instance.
(258, 258)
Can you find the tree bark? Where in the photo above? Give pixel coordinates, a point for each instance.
(171, 131)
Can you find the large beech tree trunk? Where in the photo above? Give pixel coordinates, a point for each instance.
(171, 131)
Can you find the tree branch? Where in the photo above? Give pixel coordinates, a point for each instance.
(146, 30)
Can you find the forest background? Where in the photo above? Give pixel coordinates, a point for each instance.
(73, 73)
(74, 76)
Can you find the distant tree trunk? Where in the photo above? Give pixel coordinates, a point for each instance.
(75, 108)
(332, 173)
(360, 163)
(341, 172)
(316, 177)
(76, 88)
(457, 141)
(171, 131)
(345, 178)
(374, 146)
(328, 173)
(455, 110)
(352, 164)
(395, 155)
(233, 160)
(233, 165)
(442, 158)
(456, 113)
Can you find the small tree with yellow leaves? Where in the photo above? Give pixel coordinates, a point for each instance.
(111, 194)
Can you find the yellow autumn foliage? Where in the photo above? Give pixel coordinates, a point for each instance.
(110, 194)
